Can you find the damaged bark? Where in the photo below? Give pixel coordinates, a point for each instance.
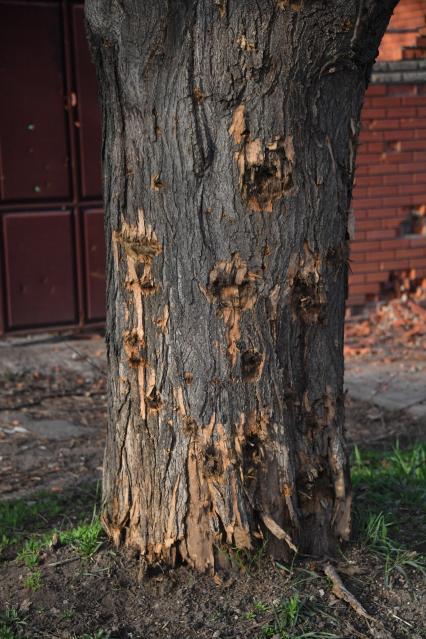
(228, 151)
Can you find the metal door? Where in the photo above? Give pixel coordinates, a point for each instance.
(51, 221)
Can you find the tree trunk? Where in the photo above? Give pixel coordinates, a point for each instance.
(229, 140)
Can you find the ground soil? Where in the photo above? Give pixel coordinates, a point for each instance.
(112, 592)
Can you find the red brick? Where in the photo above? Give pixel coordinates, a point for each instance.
(402, 112)
(419, 240)
(418, 262)
(398, 178)
(382, 169)
(376, 89)
(360, 288)
(362, 170)
(377, 277)
(367, 135)
(386, 102)
(398, 244)
(406, 134)
(368, 203)
(384, 214)
(391, 157)
(367, 180)
(364, 158)
(368, 224)
(361, 214)
(355, 300)
(377, 191)
(359, 192)
(413, 145)
(364, 267)
(394, 223)
(414, 101)
(412, 167)
(413, 123)
(386, 125)
(356, 279)
(411, 252)
(357, 247)
(375, 147)
(380, 234)
(413, 188)
(402, 89)
(371, 113)
(401, 200)
(419, 178)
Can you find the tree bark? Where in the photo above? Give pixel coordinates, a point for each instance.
(229, 141)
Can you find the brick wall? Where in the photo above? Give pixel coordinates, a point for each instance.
(390, 190)
(389, 250)
(403, 38)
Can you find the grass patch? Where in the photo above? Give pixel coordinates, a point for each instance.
(33, 581)
(11, 624)
(86, 539)
(290, 618)
(20, 519)
(390, 492)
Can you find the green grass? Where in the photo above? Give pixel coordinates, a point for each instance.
(18, 515)
(29, 525)
(33, 580)
(20, 519)
(290, 613)
(11, 624)
(86, 539)
(390, 492)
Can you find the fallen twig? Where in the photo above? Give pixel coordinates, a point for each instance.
(341, 592)
(63, 561)
(277, 531)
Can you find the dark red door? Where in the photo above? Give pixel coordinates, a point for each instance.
(51, 230)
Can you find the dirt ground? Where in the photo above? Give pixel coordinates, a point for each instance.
(52, 427)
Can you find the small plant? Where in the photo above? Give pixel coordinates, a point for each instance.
(245, 560)
(259, 608)
(86, 539)
(289, 611)
(30, 553)
(10, 623)
(395, 557)
(33, 581)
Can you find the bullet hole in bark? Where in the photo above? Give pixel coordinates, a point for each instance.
(198, 95)
(148, 288)
(134, 347)
(288, 4)
(156, 183)
(154, 401)
(232, 287)
(213, 462)
(265, 168)
(141, 247)
(251, 365)
(188, 377)
(264, 184)
(190, 426)
(308, 299)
